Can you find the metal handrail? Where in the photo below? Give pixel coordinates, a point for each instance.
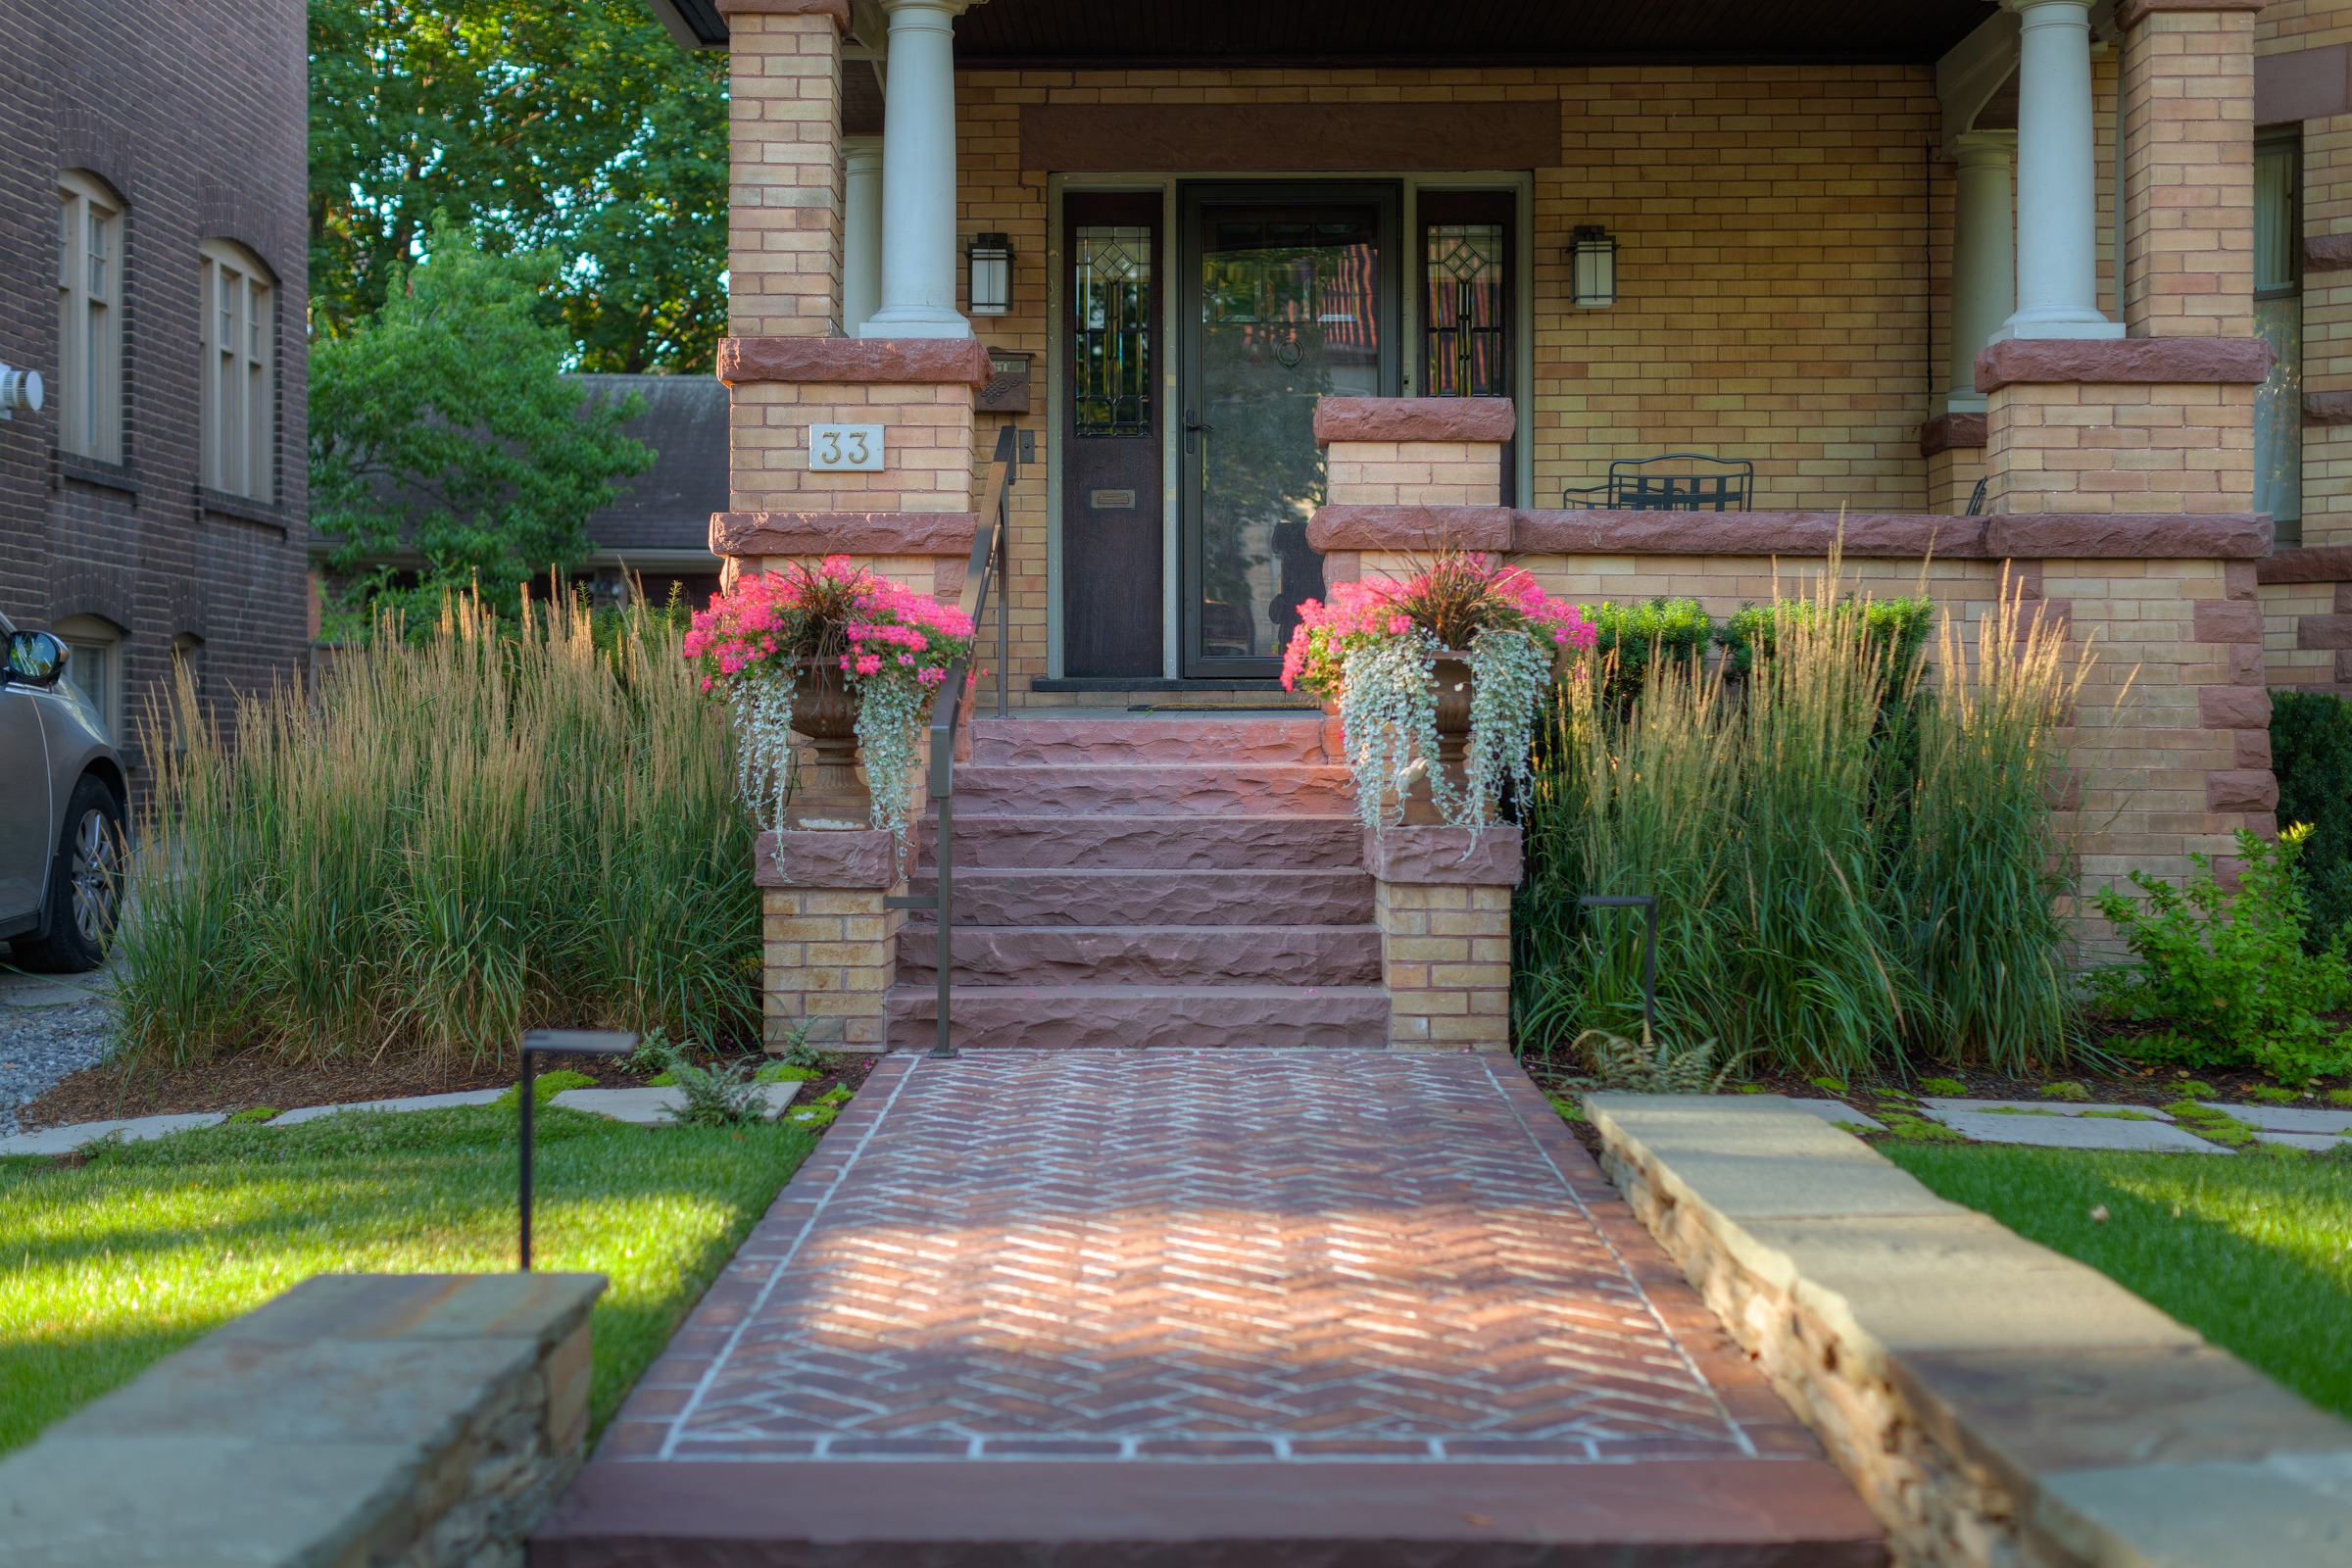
(991, 545)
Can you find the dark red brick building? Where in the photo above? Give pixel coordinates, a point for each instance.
(153, 171)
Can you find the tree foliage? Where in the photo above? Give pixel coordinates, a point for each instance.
(573, 127)
(444, 430)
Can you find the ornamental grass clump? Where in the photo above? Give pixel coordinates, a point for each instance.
(441, 842)
(891, 645)
(1375, 647)
(1854, 863)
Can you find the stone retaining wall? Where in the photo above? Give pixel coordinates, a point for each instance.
(1995, 1404)
(358, 1421)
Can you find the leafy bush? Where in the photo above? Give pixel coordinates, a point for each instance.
(2228, 973)
(1895, 630)
(441, 844)
(1659, 1068)
(1849, 864)
(2310, 747)
(1629, 636)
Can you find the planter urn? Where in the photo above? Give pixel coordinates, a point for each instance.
(832, 793)
(1450, 670)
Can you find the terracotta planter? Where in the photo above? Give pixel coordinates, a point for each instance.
(1453, 672)
(832, 794)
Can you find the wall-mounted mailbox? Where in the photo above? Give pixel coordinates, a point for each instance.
(1008, 390)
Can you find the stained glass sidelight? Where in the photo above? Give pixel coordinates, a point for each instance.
(1464, 312)
(1110, 378)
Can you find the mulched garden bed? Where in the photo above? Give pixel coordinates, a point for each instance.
(259, 1078)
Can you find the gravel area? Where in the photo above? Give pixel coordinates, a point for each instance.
(51, 1027)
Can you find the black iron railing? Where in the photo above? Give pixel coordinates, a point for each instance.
(991, 543)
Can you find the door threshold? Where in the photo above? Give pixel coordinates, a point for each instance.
(1148, 683)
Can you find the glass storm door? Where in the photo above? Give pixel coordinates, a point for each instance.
(1289, 297)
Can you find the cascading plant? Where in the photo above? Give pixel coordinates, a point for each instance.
(891, 645)
(1374, 647)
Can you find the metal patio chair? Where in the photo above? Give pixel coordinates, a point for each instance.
(1673, 481)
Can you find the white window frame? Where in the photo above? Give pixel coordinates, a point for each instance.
(96, 665)
(237, 391)
(89, 319)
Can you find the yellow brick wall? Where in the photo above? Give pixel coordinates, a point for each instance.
(2188, 174)
(2283, 607)
(829, 956)
(784, 179)
(928, 447)
(2281, 27)
(1445, 957)
(1952, 478)
(2097, 448)
(1428, 473)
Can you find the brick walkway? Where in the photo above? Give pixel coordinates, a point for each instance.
(1247, 1278)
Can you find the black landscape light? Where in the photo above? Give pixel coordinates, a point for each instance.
(1649, 952)
(537, 1043)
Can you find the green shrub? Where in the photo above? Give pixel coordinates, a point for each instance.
(1849, 867)
(2226, 972)
(442, 843)
(1630, 637)
(2310, 747)
(1895, 630)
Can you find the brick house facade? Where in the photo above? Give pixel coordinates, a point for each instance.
(181, 134)
(2037, 293)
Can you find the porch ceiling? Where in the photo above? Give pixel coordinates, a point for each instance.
(1368, 33)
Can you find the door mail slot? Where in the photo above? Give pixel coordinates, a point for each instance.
(1111, 500)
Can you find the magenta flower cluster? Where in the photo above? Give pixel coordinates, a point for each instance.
(770, 617)
(1360, 611)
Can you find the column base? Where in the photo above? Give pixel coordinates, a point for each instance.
(913, 322)
(2092, 327)
(1444, 922)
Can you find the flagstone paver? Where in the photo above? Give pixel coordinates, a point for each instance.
(2031, 1127)
(131, 1130)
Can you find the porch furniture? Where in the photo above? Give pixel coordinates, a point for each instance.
(1673, 481)
(1976, 497)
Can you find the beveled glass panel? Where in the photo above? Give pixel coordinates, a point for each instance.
(1111, 295)
(2278, 227)
(1464, 311)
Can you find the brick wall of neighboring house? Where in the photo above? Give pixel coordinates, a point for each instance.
(195, 115)
(1783, 268)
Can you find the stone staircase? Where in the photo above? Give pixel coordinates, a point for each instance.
(1149, 881)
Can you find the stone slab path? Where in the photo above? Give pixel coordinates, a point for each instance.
(1312, 1303)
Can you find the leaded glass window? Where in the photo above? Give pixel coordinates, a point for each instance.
(1111, 379)
(1464, 312)
(2278, 318)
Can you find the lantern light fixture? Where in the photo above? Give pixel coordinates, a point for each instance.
(990, 262)
(1593, 263)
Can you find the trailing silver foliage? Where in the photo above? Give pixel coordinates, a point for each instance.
(765, 763)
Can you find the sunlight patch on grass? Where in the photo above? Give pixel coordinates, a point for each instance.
(106, 1267)
(2255, 1252)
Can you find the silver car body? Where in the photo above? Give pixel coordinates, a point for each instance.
(50, 739)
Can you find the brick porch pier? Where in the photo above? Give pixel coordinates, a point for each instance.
(1174, 1306)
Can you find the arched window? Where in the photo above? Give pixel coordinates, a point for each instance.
(89, 319)
(96, 665)
(237, 394)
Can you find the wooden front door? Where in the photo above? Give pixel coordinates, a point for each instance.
(1111, 531)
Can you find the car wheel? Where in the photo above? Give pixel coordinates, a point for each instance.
(86, 886)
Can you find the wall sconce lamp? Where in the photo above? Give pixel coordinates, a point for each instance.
(1593, 260)
(991, 274)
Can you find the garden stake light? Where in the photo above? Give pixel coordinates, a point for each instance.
(554, 1041)
(1650, 951)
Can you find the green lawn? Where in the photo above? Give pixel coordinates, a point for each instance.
(108, 1266)
(2252, 1251)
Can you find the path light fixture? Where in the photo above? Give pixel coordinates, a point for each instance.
(561, 1043)
(990, 263)
(1649, 952)
(1592, 267)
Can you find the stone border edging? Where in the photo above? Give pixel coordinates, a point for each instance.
(1953, 432)
(2131, 13)
(2311, 563)
(1991, 1401)
(748, 535)
(1891, 535)
(855, 361)
(1488, 419)
(838, 10)
(418, 1418)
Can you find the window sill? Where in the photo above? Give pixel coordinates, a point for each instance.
(73, 466)
(242, 507)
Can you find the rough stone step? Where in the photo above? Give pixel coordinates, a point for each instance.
(1327, 1017)
(1220, 789)
(1222, 738)
(1157, 843)
(1147, 955)
(991, 896)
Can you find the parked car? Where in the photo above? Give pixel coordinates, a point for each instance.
(61, 812)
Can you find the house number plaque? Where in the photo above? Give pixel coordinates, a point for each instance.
(857, 448)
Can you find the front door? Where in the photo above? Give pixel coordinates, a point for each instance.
(1112, 526)
(1289, 297)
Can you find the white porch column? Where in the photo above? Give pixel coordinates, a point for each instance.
(1984, 258)
(918, 176)
(861, 231)
(2057, 191)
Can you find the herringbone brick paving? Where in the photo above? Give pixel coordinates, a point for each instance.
(1224, 1256)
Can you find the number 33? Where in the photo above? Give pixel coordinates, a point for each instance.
(833, 450)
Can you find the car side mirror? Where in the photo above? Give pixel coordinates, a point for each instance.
(35, 658)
